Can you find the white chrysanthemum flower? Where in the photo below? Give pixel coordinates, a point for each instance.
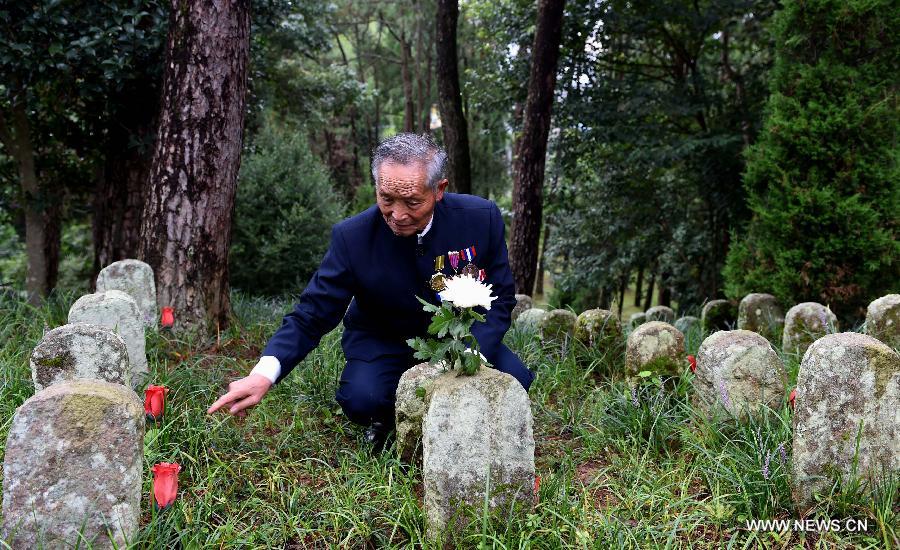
(465, 291)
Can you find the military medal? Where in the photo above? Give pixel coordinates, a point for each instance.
(470, 270)
(454, 259)
(438, 281)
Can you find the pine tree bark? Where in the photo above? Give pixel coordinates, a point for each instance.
(453, 121)
(119, 197)
(648, 299)
(639, 287)
(42, 211)
(186, 228)
(532, 149)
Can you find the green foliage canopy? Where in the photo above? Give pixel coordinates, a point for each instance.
(824, 179)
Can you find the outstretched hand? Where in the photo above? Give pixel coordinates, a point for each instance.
(242, 394)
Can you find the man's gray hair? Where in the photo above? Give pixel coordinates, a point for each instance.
(408, 148)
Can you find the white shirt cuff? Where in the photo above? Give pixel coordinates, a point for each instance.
(268, 366)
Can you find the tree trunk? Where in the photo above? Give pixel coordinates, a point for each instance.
(42, 211)
(648, 300)
(532, 150)
(186, 228)
(119, 198)
(409, 111)
(622, 287)
(665, 292)
(539, 280)
(453, 122)
(638, 287)
(426, 111)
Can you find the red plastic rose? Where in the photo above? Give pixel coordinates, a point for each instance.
(165, 483)
(168, 317)
(792, 398)
(693, 361)
(155, 401)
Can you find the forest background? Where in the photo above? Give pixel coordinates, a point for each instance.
(696, 150)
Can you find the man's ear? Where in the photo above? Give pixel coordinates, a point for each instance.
(441, 187)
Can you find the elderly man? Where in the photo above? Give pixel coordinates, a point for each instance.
(377, 263)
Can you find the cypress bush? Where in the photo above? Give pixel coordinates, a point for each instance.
(284, 209)
(822, 179)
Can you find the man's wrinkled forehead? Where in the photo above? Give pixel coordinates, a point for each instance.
(402, 179)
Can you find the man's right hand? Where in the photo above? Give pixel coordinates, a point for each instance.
(242, 394)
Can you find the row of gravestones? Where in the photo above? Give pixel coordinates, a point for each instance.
(796, 330)
(73, 464)
(847, 417)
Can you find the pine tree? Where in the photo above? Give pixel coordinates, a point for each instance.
(823, 177)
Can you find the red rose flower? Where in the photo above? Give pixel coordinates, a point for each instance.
(165, 483)
(155, 401)
(693, 361)
(792, 398)
(168, 317)
(537, 488)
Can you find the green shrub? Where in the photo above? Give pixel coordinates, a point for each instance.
(284, 209)
(823, 177)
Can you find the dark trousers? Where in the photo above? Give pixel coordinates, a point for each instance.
(368, 389)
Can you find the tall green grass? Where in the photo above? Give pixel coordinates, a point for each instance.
(620, 468)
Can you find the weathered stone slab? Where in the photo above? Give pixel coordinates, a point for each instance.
(135, 278)
(718, 315)
(72, 469)
(530, 319)
(761, 314)
(883, 320)
(475, 427)
(558, 325)
(656, 347)
(738, 371)
(804, 324)
(523, 302)
(598, 328)
(848, 399)
(117, 311)
(686, 323)
(637, 319)
(660, 313)
(410, 408)
(76, 351)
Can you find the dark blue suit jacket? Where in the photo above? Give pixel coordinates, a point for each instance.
(380, 274)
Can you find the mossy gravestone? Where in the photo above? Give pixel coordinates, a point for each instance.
(883, 320)
(410, 408)
(558, 325)
(657, 348)
(598, 329)
(847, 413)
(117, 311)
(761, 314)
(804, 324)
(477, 431)
(637, 319)
(79, 350)
(530, 319)
(718, 315)
(660, 313)
(738, 371)
(73, 465)
(686, 323)
(135, 278)
(523, 302)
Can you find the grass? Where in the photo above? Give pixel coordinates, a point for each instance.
(619, 468)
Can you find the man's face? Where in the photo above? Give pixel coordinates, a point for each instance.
(405, 200)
